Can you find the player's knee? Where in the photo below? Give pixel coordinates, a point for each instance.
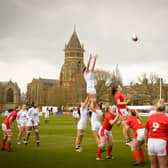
(102, 144)
(36, 130)
(80, 133)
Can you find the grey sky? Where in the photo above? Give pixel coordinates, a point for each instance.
(33, 34)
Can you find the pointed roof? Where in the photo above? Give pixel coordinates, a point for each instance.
(74, 42)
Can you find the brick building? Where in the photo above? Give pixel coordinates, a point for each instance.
(70, 88)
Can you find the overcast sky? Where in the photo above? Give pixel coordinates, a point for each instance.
(33, 34)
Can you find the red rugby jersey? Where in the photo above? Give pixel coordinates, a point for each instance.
(12, 114)
(135, 123)
(106, 125)
(157, 124)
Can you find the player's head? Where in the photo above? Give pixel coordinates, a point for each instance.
(160, 106)
(119, 88)
(34, 105)
(17, 108)
(82, 104)
(24, 107)
(111, 109)
(133, 112)
(115, 89)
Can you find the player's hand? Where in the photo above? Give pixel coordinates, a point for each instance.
(90, 56)
(39, 124)
(33, 121)
(96, 56)
(128, 101)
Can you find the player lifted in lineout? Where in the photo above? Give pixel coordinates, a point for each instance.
(121, 104)
(89, 78)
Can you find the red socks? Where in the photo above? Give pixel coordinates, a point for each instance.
(135, 154)
(9, 145)
(3, 143)
(100, 150)
(109, 150)
(141, 153)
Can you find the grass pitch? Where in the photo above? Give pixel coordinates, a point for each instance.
(57, 148)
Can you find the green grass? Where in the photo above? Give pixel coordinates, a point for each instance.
(57, 148)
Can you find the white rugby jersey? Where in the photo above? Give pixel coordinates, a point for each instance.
(89, 78)
(23, 115)
(83, 114)
(33, 113)
(96, 116)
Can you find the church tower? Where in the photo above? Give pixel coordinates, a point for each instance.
(72, 69)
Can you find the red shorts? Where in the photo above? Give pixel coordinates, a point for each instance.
(104, 133)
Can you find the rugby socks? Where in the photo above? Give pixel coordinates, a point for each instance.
(100, 150)
(128, 140)
(3, 143)
(141, 153)
(109, 150)
(135, 154)
(9, 144)
(38, 142)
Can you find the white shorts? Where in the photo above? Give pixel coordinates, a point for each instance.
(46, 116)
(95, 126)
(139, 135)
(91, 90)
(5, 129)
(104, 133)
(76, 115)
(30, 124)
(22, 124)
(123, 112)
(157, 147)
(81, 125)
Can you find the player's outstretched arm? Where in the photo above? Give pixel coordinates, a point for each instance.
(112, 122)
(86, 101)
(88, 65)
(94, 62)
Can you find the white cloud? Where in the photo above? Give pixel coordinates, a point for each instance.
(34, 32)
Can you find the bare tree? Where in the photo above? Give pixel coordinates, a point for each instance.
(150, 86)
(103, 85)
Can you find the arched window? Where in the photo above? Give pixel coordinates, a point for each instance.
(10, 96)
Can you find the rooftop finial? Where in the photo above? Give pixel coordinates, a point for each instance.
(74, 27)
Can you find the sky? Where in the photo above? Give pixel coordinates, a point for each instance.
(33, 34)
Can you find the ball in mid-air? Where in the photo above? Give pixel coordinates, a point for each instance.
(134, 38)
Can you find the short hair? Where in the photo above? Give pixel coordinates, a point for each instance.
(160, 106)
(17, 106)
(114, 90)
(133, 112)
(84, 69)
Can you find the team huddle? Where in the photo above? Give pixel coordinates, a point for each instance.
(154, 134)
(26, 121)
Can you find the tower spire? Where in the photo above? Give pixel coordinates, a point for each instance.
(74, 27)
